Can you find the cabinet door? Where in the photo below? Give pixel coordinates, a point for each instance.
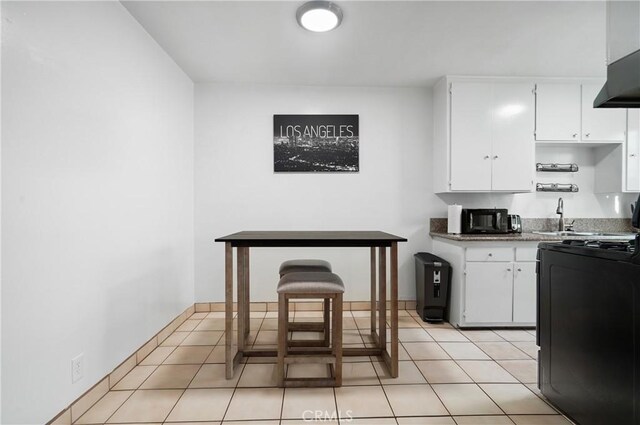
(471, 136)
(558, 111)
(488, 292)
(601, 124)
(513, 146)
(524, 292)
(633, 152)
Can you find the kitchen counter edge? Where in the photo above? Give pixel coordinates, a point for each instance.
(509, 237)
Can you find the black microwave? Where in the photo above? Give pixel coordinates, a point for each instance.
(485, 221)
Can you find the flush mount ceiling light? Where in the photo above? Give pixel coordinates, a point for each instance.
(319, 16)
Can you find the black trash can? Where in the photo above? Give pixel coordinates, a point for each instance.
(433, 279)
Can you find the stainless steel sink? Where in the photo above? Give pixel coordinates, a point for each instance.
(590, 235)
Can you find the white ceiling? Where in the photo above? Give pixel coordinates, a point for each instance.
(380, 43)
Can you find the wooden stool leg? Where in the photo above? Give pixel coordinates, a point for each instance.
(337, 337)
(283, 320)
(326, 320)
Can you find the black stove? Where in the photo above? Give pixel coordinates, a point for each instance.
(589, 329)
(620, 246)
(626, 251)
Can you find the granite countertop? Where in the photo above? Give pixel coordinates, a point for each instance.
(510, 237)
(438, 229)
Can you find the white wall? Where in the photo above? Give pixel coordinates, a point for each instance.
(236, 188)
(583, 204)
(97, 197)
(1, 227)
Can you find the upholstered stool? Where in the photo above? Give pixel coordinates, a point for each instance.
(310, 285)
(293, 266)
(309, 265)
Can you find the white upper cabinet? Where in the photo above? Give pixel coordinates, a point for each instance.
(565, 112)
(601, 124)
(632, 159)
(617, 167)
(486, 128)
(513, 147)
(471, 122)
(557, 111)
(483, 136)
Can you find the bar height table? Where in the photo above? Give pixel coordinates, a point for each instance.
(375, 240)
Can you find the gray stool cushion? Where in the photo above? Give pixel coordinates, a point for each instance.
(310, 283)
(293, 266)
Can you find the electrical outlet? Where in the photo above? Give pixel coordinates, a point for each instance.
(77, 368)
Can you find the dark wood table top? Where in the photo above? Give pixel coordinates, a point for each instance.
(311, 238)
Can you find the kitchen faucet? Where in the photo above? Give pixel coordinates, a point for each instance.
(560, 210)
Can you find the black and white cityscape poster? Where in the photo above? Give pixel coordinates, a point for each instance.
(316, 143)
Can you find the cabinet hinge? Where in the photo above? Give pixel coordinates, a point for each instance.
(535, 89)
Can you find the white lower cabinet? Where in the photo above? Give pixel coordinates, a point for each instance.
(492, 284)
(489, 291)
(524, 291)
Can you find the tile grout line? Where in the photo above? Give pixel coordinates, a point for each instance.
(185, 389)
(235, 387)
(494, 360)
(430, 385)
(370, 360)
(138, 388)
(108, 376)
(114, 412)
(456, 363)
(474, 382)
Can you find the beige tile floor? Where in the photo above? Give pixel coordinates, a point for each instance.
(447, 377)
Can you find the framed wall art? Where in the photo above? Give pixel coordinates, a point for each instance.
(316, 143)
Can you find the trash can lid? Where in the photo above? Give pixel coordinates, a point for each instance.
(431, 259)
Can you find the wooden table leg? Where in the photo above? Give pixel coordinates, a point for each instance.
(242, 307)
(394, 310)
(373, 289)
(247, 290)
(228, 308)
(382, 297)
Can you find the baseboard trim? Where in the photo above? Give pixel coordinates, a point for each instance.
(301, 306)
(90, 397)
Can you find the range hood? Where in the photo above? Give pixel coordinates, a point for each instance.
(622, 89)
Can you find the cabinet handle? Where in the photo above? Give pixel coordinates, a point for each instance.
(574, 135)
(508, 270)
(519, 270)
(486, 157)
(633, 155)
(490, 255)
(587, 135)
(495, 157)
